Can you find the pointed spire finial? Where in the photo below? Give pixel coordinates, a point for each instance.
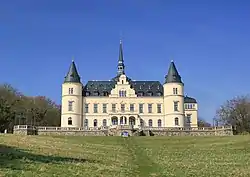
(73, 58)
(121, 66)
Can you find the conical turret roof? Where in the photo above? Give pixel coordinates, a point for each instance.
(72, 75)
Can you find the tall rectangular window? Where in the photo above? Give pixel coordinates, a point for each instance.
(132, 108)
(123, 107)
(158, 108)
(150, 108)
(188, 118)
(113, 107)
(86, 108)
(104, 108)
(70, 91)
(70, 105)
(95, 108)
(176, 106)
(175, 91)
(140, 108)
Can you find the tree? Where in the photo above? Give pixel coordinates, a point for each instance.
(16, 108)
(236, 113)
(203, 123)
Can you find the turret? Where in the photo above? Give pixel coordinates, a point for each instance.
(71, 113)
(173, 98)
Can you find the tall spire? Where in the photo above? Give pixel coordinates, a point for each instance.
(173, 75)
(121, 66)
(72, 75)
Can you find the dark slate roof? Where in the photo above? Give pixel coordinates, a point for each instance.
(72, 75)
(189, 100)
(142, 88)
(173, 75)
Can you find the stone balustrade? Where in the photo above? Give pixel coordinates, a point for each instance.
(106, 131)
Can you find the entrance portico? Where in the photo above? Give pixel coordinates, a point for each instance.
(124, 119)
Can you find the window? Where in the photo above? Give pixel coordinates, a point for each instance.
(86, 108)
(159, 122)
(176, 106)
(113, 107)
(150, 123)
(140, 108)
(141, 122)
(70, 105)
(95, 108)
(175, 91)
(122, 107)
(176, 121)
(86, 123)
(186, 106)
(122, 82)
(96, 93)
(149, 108)
(104, 108)
(69, 121)
(104, 122)
(121, 120)
(70, 91)
(188, 118)
(95, 122)
(114, 121)
(122, 93)
(158, 108)
(132, 107)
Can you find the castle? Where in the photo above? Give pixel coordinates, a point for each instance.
(123, 101)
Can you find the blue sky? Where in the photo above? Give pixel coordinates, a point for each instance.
(209, 41)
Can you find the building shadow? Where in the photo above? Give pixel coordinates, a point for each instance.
(15, 158)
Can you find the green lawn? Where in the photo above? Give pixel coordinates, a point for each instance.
(124, 157)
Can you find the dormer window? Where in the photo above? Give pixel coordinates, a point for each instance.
(122, 82)
(140, 87)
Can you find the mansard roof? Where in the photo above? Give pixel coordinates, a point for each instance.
(188, 99)
(142, 88)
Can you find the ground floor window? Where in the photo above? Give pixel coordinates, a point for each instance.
(176, 121)
(86, 123)
(104, 122)
(159, 123)
(69, 121)
(150, 123)
(95, 123)
(114, 120)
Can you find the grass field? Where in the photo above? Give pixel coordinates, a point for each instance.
(124, 157)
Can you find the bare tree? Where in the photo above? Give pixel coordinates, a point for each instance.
(203, 123)
(235, 112)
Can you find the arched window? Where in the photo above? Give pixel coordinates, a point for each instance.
(104, 122)
(95, 122)
(159, 123)
(86, 123)
(121, 120)
(114, 120)
(150, 123)
(176, 121)
(69, 121)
